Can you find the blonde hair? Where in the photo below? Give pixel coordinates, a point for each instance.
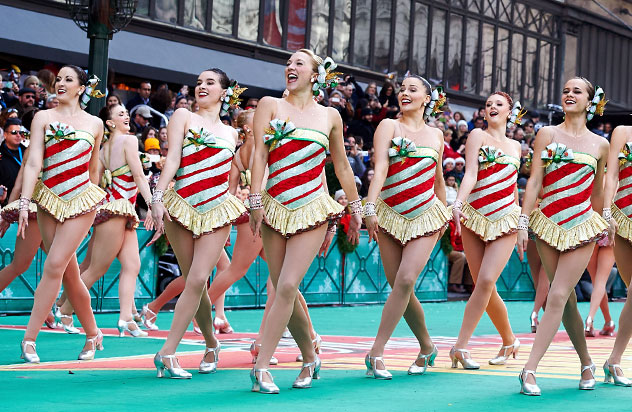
(32, 79)
(242, 118)
(316, 60)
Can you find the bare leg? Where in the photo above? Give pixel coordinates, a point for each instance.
(538, 274)
(599, 272)
(130, 267)
(197, 258)
(61, 240)
(24, 252)
(486, 262)
(622, 253)
(173, 289)
(288, 261)
(564, 269)
(222, 265)
(266, 310)
(402, 266)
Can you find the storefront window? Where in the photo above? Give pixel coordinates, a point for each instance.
(530, 73)
(362, 35)
(320, 27)
(248, 19)
(420, 39)
(167, 10)
(517, 48)
(402, 34)
(271, 23)
(453, 76)
(296, 24)
(195, 13)
(437, 45)
(342, 27)
(471, 56)
(502, 59)
(382, 36)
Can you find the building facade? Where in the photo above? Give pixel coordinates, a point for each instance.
(471, 47)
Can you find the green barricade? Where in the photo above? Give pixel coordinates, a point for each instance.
(515, 282)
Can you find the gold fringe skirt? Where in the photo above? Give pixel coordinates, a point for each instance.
(118, 208)
(289, 222)
(624, 223)
(487, 229)
(11, 212)
(554, 235)
(61, 209)
(403, 230)
(198, 223)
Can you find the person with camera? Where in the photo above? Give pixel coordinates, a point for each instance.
(355, 157)
(11, 154)
(363, 127)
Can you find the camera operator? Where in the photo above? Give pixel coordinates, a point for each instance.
(355, 156)
(11, 154)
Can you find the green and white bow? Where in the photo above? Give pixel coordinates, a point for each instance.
(556, 153)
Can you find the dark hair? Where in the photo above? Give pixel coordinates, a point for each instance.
(117, 98)
(482, 119)
(27, 117)
(224, 81)
(425, 82)
(144, 81)
(13, 121)
(105, 114)
(505, 95)
(146, 132)
(81, 74)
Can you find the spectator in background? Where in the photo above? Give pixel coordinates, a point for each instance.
(519, 134)
(371, 90)
(457, 260)
(356, 91)
(141, 120)
(448, 165)
(113, 100)
(142, 97)
(47, 80)
(251, 103)
(451, 188)
(479, 123)
(356, 159)
(162, 134)
(607, 130)
(52, 102)
(363, 127)
(459, 169)
(33, 82)
(26, 100)
(11, 155)
(388, 98)
(480, 113)
(529, 131)
(339, 102)
(448, 151)
(458, 116)
(366, 182)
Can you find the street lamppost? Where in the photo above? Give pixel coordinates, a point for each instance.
(100, 19)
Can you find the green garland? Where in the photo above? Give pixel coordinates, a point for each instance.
(445, 243)
(161, 245)
(344, 246)
(333, 184)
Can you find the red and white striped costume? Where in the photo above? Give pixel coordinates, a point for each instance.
(294, 199)
(565, 218)
(121, 192)
(622, 207)
(65, 190)
(200, 200)
(491, 208)
(407, 207)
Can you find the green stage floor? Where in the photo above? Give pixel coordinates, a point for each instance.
(122, 377)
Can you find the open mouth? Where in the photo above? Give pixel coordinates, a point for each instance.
(406, 101)
(292, 78)
(61, 91)
(203, 94)
(569, 101)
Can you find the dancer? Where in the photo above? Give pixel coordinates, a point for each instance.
(490, 218)
(410, 213)
(294, 206)
(540, 283)
(198, 211)
(619, 216)
(571, 160)
(116, 221)
(67, 198)
(599, 267)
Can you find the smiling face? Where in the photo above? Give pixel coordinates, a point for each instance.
(208, 90)
(299, 71)
(112, 100)
(119, 118)
(412, 95)
(67, 85)
(575, 97)
(497, 109)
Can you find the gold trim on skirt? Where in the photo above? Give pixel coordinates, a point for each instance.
(561, 239)
(11, 212)
(61, 209)
(117, 208)
(198, 223)
(487, 229)
(403, 230)
(289, 222)
(624, 223)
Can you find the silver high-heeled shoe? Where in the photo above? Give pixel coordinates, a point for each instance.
(589, 330)
(428, 361)
(314, 373)
(588, 384)
(619, 380)
(467, 363)
(222, 326)
(530, 389)
(123, 326)
(509, 350)
(256, 376)
(210, 367)
(317, 342)
(69, 327)
(254, 351)
(371, 370)
(149, 317)
(96, 342)
(28, 357)
(175, 372)
(534, 322)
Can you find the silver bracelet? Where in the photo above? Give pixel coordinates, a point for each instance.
(23, 204)
(356, 207)
(156, 197)
(457, 205)
(523, 222)
(369, 209)
(254, 199)
(606, 214)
